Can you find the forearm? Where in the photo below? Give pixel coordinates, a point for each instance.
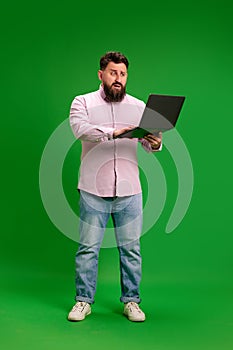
(92, 133)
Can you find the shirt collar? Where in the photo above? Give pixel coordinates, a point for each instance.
(102, 93)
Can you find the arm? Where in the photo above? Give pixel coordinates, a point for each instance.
(81, 126)
(84, 130)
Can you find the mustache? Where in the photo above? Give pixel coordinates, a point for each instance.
(116, 83)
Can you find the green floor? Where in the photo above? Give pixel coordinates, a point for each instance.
(184, 311)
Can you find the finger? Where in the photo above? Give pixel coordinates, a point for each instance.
(128, 127)
(152, 138)
(153, 142)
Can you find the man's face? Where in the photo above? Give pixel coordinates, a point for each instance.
(114, 79)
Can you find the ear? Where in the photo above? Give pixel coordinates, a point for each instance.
(100, 73)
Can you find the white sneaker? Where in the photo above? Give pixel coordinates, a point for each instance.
(79, 311)
(133, 312)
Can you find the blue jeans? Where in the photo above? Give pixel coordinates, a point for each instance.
(126, 214)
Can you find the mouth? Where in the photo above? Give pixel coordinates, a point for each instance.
(117, 86)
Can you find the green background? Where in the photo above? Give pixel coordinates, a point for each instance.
(49, 54)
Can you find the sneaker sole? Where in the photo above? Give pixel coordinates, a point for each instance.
(134, 319)
(72, 319)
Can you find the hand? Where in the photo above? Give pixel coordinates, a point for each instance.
(118, 132)
(155, 141)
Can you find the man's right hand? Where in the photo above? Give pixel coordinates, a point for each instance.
(118, 132)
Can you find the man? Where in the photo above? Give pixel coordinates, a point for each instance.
(109, 184)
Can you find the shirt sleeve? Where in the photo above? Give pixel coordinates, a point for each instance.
(81, 126)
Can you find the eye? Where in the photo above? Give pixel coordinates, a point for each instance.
(123, 74)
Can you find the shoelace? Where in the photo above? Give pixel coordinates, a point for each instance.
(134, 306)
(79, 306)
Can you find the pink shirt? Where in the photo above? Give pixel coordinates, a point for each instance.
(109, 166)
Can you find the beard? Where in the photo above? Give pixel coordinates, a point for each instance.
(113, 95)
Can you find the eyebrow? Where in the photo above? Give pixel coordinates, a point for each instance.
(115, 70)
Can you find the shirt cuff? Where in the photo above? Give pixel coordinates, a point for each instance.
(108, 132)
(110, 135)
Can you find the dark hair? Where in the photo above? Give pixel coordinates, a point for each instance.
(112, 56)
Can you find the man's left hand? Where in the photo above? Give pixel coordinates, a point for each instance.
(155, 141)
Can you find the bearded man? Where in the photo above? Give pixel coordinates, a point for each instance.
(109, 184)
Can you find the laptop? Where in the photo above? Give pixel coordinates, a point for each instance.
(160, 114)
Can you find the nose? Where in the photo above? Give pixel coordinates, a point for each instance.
(118, 77)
